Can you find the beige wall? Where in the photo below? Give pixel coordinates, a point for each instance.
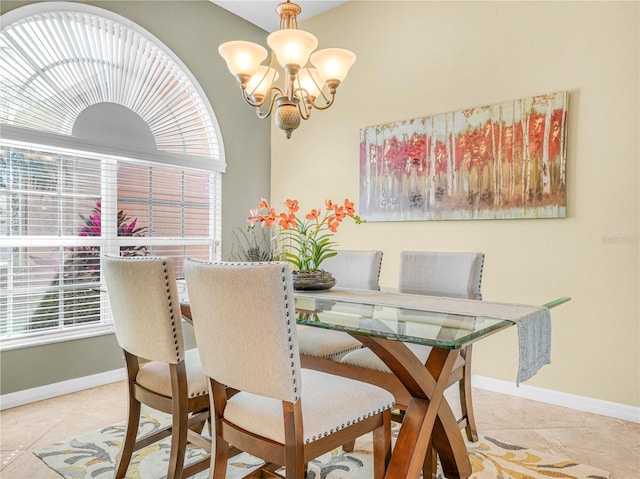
(423, 58)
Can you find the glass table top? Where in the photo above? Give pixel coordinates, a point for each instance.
(442, 330)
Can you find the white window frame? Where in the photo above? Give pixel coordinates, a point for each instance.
(108, 242)
(202, 152)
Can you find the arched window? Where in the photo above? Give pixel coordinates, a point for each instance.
(107, 146)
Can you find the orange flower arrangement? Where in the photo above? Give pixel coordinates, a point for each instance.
(305, 243)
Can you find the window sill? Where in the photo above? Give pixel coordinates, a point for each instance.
(33, 340)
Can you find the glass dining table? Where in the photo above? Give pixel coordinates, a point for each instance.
(385, 322)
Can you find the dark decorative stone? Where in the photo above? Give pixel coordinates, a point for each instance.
(313, 280)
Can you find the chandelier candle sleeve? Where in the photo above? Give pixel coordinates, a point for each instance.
(310, 77)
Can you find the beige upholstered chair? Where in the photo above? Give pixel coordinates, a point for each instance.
(353, 269)
(160, 373)
(441, 273)
(434, 273)
(245, 324)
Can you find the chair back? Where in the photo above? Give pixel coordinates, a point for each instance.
(245, 324)
(441, 273)
(356, 269)
(146, 308)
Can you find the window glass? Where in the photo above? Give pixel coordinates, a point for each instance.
(61, 212)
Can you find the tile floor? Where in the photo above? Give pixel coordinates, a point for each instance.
(610, 444)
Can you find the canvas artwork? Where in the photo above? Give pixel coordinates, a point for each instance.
(500, 161)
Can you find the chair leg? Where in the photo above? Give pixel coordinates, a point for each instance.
(180, 420)
(466, 400)
(178, 445)
(133, 420)
(220, 449)
(349, 446)
(430, 466)
(382, 446)
(294, 465)
(129, 442)
(295, 468)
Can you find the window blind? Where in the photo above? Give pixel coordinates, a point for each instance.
(58, 59)
(60, 211)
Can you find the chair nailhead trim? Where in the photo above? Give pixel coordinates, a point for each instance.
(290, 337)
(171, 312)
(351, 422)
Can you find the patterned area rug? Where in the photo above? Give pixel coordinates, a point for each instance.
(93, 456)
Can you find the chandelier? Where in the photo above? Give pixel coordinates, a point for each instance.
(310, 78)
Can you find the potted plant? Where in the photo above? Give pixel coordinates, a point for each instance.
(305, 242)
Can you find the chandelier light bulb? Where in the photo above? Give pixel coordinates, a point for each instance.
(333, 63)
(310, 80)
(243, 58)
(292, 47)
(260, 82)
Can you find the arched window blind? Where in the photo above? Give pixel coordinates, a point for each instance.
(65, 57)
(107, 146)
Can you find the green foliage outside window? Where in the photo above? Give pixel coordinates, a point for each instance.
(74, 303)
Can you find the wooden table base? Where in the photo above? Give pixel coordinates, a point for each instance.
(428, 421)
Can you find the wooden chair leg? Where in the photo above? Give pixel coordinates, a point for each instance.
(180, 420)
(220, 450)
(349, 446)
(466, 400)
(129, 441)
(382, 446)
(133, 420)
(178, 446)
(219, 458)
(430, 466)
(294, 465)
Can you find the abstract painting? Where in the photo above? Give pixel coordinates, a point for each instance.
(499, 161)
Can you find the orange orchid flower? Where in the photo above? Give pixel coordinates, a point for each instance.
(263, 204)
(349, 206)
(287, 220)
(313, 215)
(333, 224)
(340, 213)
(270, 218)
(292, 205)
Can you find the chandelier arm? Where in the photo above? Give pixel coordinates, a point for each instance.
(328, 102)
(274, 93)
(258, 104)
(304, 107)
(310, 101)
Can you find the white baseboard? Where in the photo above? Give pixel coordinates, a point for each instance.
(39, 393)
(548, 396)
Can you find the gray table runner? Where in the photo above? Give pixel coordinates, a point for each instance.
(533, 322)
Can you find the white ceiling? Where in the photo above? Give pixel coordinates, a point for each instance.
(263, 12)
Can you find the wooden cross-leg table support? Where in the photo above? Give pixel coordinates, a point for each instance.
(428, 421)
